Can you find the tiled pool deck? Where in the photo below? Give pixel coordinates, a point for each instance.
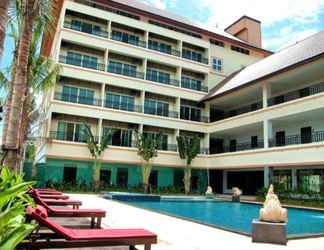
(178, 234)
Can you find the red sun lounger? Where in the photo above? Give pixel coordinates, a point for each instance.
(95, 214)
(63, 237)
(74, 203)
(43, 192)
(54, 196)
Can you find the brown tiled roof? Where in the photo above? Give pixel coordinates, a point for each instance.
(303, 51)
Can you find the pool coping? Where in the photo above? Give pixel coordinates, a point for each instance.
(290, 237)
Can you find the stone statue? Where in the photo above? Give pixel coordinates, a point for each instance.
(209, 192)
(236, 194)
(272, 210)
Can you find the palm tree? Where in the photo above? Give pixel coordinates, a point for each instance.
(27, 11)
(147, 149)
(189, 148)
(42, 76)
(96, 149)
(4, 7)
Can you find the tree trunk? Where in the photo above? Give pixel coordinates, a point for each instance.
(12, 126)
(4, 6)
(146, 172)
(187, 179)
(96, 174)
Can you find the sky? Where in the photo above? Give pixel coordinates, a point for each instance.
(283, 21)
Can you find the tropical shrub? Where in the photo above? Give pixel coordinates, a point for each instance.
(13, 202)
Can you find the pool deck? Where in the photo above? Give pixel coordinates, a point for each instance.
(179, 234)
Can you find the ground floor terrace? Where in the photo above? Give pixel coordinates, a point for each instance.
(170, 179)
(175, 233)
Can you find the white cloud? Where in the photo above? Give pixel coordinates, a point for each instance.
(161, 4)
(225, 12)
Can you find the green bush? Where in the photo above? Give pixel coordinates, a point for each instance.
(13, 202)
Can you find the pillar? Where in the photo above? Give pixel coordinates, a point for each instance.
(180, 47)
(142, 102)
(206, 142)
(99, 130)
(224, 181)
(267, 133)
(179, 75)
(266, 94)
(109, 28)
(106, 59)
(144, 67)
(294, 179)
(267, 176)
(103, 94)
(146, 38)
(178, 105)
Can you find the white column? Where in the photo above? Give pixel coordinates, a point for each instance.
(179, 75)
(178, 105)
(206, 140)
(140, 128)
(146, 38)
(180, 47)
(48, 125)
(224, 181)
(99, 130)
(266, 94)
(102, 96)
(267, 132)
(106, 59)
(145, 67)
(294, 178)
(109, 29)
(267, 176)
(142, 100)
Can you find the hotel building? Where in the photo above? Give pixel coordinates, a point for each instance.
(127, 66)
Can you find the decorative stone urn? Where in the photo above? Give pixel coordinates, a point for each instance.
(209, 192)
(236, 194)
(272, 210)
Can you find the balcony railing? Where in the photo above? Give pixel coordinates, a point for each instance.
(243, 146)
(164, 80)
(196, 59)
(317, 136)
(297, 94)
(77, 99)
(164, 50)
(200, 118)
(92, 31)
(63, 136)
(194, 84)
(124, 71)
(165, 113)
(138, 43)
(124, 106)
(235, 112)
(168, 147)
(81, 63)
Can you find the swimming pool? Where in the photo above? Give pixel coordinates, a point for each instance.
(232, 216)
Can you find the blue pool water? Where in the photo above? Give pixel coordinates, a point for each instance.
(234, 216)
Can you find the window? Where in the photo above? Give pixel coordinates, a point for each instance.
(69, 174)
(192, 55)
(120, 137)
(153, 180)
(233, 144)
(280, 138)
(155, 107)
(122, 177)
(122, 68)
(125, 37)
(164, 139)
(240, 50)
(217, 64)
(190, 113)
(78, 59)
(158, 76)
(306, 135)
(162, 47)
(122, 102)
(105, 176)
(78, 95)
(217, 42)
(190, 83)
(69, 131)
(254, 142)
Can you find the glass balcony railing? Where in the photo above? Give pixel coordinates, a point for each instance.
(123, 106)
(162, 79)
(86, 28)
(194, 84)
(297, 94)
(81, 63)
(199, 59)
(160, 112)
(317, 136)
(124, 71)
(165, 50)
(135, 42)
(77, 99)
(63, 136)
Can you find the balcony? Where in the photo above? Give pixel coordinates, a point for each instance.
(163, 48)
(317, 136)
(194, 56)
(124, 106)
(161, 112)
(297, 94)
(113, 68)
(81, 62)
(77, 99)
(190, 83)
(125, 38)
(242, 146)
(86, 28)
(63, 136)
